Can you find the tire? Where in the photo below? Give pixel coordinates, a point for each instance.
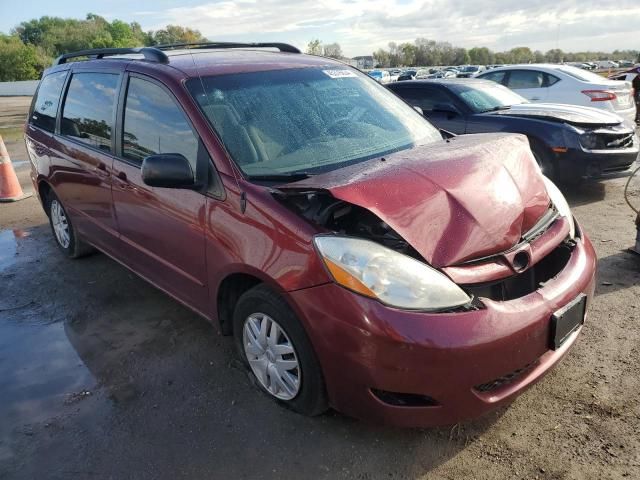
(544, 160)
(259, 306)
(63, 230)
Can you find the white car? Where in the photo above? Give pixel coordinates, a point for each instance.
(566, 84)
(381, 76)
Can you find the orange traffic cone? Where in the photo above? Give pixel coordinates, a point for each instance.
(10, 190)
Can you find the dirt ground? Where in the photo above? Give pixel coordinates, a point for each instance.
(102, 376)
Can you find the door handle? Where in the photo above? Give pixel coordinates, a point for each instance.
(122, 176)
(101, 170)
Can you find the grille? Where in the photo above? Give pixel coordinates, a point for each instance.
(505, 379)
(607, 140)
(527, 282)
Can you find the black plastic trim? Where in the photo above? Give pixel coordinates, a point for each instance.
(151, 54)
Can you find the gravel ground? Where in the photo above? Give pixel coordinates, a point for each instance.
(102, 376)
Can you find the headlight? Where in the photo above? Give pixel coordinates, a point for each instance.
(384, 274)
(557, 198)
(590, 141)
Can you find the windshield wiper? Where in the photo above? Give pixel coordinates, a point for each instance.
(499, 107)
(281, 177)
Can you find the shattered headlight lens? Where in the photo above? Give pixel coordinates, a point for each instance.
(394, 279)
(558, 200)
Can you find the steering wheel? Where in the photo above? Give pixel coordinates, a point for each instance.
(335, 123)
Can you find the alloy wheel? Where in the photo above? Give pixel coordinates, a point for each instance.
(60, 224)
(271, 356)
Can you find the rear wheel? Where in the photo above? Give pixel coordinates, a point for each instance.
(63, 231)
(273, 344)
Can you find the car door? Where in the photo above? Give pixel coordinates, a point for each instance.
(82, 154)
(161, 229)
(531, 84)
(431, 98)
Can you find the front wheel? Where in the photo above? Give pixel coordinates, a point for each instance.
(543, 159)
(63, 231)
(273, 344)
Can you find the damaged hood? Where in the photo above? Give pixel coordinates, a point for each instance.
(453, 201)
(572, 114)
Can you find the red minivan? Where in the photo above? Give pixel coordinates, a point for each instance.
(361, 259)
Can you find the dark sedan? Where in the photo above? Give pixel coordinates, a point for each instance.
(407, 75)
(569, 142)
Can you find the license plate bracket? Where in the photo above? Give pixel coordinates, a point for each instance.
(566, 320)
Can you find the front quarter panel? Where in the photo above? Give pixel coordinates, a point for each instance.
(266, 241)
(549, 133)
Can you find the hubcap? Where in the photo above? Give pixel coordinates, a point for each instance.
(271, 356)
(60, 224)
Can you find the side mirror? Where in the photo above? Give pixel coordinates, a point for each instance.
(168, 170)
(418, 109)
(447, 108)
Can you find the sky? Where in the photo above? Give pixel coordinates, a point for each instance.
(362, 26)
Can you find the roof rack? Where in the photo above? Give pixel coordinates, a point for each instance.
(152, 54)
(283, 47)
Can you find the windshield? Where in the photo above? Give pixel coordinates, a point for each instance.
(485, 98)
(580, 74)
(470, 68)
(309, 120)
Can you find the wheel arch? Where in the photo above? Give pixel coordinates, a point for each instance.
(44, 188)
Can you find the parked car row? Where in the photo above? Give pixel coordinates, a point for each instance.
(567, 84)
(551, 83)
(569, 142)
(389, 76)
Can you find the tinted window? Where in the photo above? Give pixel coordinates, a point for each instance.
(526, 79)
(497, 77)
(153, 123)
(46, 102)
(550, 79)
(88, 109)
(425, 98)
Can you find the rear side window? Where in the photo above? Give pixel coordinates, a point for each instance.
(497, 77)
(87, 114)
(153, 123)
(526, 79)
(550, 79)
(46, 102)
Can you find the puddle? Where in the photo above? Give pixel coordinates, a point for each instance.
(9, 246)
(39, 372)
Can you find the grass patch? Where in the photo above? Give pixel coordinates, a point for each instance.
(12, 134)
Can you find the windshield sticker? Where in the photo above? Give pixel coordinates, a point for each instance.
(339, 73)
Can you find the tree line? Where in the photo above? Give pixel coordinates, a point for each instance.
(425, 52)
(32, 45)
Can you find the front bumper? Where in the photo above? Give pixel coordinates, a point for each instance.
(364, 345)
(578, 163)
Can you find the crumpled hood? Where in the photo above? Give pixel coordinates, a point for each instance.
(453, 201)
(573, 114)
